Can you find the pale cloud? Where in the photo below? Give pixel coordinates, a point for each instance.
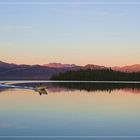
(9, 28)
(69, 3)
(8, 125)
(105, 13)
(5, 125)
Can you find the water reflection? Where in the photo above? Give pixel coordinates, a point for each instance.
(89, 87)
(41, 89)
(93, 87)
(72, 111)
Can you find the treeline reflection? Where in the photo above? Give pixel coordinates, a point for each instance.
(89, 87)
(57, 87)
(93, 87)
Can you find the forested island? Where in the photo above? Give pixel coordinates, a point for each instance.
(97, 75)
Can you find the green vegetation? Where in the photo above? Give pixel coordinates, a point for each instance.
(97, 75)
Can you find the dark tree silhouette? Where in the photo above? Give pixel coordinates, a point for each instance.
(97, 75)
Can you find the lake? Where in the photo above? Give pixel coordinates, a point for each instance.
(71, 111)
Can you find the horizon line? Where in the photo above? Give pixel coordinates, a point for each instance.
(71, 64)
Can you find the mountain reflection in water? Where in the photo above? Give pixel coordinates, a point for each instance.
(89, 87)
(70, 109)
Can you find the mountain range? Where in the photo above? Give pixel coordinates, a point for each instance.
(11, 71)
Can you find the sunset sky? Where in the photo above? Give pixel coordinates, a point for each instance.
(104, 32)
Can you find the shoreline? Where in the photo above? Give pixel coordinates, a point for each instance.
(57, 81)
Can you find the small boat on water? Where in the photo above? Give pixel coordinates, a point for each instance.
(40, 89)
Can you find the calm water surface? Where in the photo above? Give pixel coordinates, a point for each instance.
(88, 110)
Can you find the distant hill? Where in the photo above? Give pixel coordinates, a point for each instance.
(4, 65)
(132, 68)
(10, 71)
(27, 72)
(94, 67)
(60, 65)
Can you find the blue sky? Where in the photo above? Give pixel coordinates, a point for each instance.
(68, 31)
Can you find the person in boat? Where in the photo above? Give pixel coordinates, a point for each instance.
(41, 89)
